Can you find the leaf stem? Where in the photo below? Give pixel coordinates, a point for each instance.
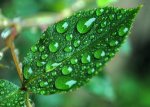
(10, 43)
(28, 104)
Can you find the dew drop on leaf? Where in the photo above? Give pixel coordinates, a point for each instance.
(62, 27)
(99, 12)
(74, 61)
(122, 31)
(33, 48)
(86, 58)
(69, 37)
(113, 43)
(85, 24)
(76, 43)
(64, 82)
(43, 84)
(53, 46)
(44, 56)
(27, 72)
(99, 53)
(91, 70)
(68, 49)
(41, 48)
(66, 70)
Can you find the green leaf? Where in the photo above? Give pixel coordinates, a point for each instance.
(75, 49)
(11, 95)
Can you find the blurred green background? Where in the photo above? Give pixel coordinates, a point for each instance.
(125, 81)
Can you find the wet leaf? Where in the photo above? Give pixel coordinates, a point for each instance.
(75, 49)
(11, 95)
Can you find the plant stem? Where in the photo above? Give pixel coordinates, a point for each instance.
(28, 104)
(10, 43)
(16, 61)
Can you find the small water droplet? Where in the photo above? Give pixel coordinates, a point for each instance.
(50, 66)
(42, 92)
(85, 24)
(123, 31)
(64, 82)
(91, 70)
(76, 43)
(86, 58)
(53, 47)
(27, 71)
(103, 24)
(40, 63)
(33, 48)
(43, 84)
(62, 27)
(113, 43)
(74, 61)
(111, 17)
(99, 12)
(41, 48)
(99, 53)
(69, 37)
(44, 56)
(66, 70)
(68, 49)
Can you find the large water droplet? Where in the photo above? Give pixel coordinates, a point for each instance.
(64, 82)
(33, 48)
(85, 24)
(99, 12)
(66, 70)
(69, 37)
(50, 66)
(86, 58)
(27, 71)
(62, 27)
(53, 47)
(68, 49)
(99, 53)
(123, 31)
(76, 43)
(74, 61)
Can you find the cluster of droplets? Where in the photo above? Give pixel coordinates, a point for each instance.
(85, 64)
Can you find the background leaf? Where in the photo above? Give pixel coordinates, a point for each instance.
(71, 51)
(11, 95)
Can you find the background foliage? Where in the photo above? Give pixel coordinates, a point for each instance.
(124, 81)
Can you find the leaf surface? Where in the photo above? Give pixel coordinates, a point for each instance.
(75, 49)
(11, 95)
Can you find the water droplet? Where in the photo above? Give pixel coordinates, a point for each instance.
(74, 61)
(111, 17)
(68, 49)
(92, 37)
(85, 24)
(27, 71)
(76, 43)
(33, 48)
(50, 66)
(86, 58)
(44, 56)
(69, 37)
(40, 63)
(123, 30)
(54, 73)
(42, 92)
(99, 12)
(64, 82)
(41, 48)
(113, 43)
(62, 27)
(103, 24)
(99, 53)
(43, 84)
(66, 70)
(91, 70)
(53, 47)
